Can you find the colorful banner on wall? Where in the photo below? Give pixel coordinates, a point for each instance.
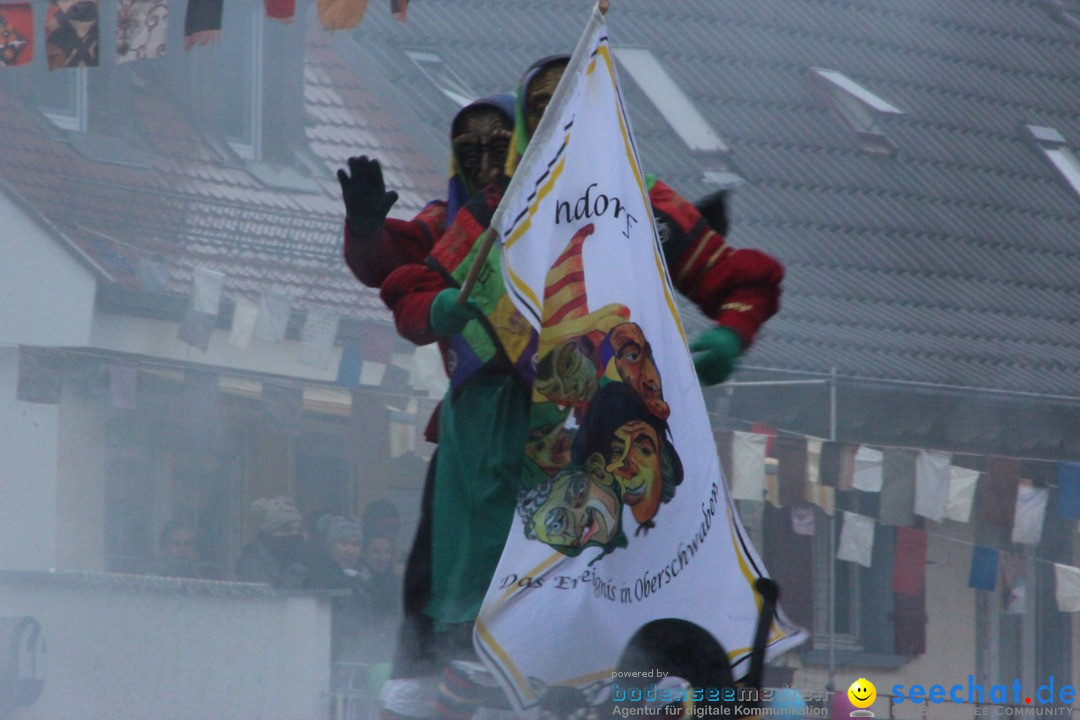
(16, 34)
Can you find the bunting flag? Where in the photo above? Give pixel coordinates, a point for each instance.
(1068, 480)
(748, 466)
(813, 461)
(141, 29)
(868, 469)
(123, 385)
(897, 501)
(348, 374)
(932, 484)
(997, 491)
(909, 561)
(636, 524)
(830, 469)
(245, 313)
(41, 375)
(16, 34)
(791, 471)
(399, 9)
(377, 342)
(856, 539)
(1029, 513)
(1067, 590)
(372, 373)
(71, 33)
(962, 484)
(909, 624)
(984, 568)
(206, 288)
(202, 24)
(341, 14)
(282, 10)
(273, 319)
(196, 328)
(317, 337)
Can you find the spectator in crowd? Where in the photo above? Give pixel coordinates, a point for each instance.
(334, 567)
(277, 555)
(177, 552)
(383, 585)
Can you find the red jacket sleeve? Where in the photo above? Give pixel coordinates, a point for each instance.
(372, 257)
(739, 289)
(409, 291)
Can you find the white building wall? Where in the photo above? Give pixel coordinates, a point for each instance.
(28, 475)
(47, 295)
(128, 648)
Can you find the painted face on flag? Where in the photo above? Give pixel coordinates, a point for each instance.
(575, 510)
(634, 458)
(567, 374)
(635, 365)
(481, 139)
(11, 43)
(549, 446)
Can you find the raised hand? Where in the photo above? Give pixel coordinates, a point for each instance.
(367, 202)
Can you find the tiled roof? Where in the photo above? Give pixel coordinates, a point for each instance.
(192, 207)
(954, 261)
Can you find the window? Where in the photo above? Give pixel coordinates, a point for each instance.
(242, 80)
(62, 97)
(678, 109)
(444, 77)
(859, 108)
(1052, 144)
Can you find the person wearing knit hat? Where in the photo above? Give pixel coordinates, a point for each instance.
(277, 555)
(341, 536)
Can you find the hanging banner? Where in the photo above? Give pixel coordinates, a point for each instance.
(16, 34)
(142, 27)
(71, 33)
(625, 516)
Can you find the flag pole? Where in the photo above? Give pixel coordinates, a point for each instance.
(487, 239)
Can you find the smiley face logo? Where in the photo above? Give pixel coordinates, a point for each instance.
(862, 693)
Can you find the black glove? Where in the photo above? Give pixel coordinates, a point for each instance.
(714, 209)
(366, 200)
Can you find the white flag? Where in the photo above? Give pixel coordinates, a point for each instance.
(869, 465)
(637, 524)
(317, 337)
(856, 539)
(962, 482)
(1029, 513)
(243, 324)
(273, 319)
(206, 290)
(932, 473)
(748, 465)
(1067, 590)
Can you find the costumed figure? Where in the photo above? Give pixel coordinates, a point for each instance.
(485, 418)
